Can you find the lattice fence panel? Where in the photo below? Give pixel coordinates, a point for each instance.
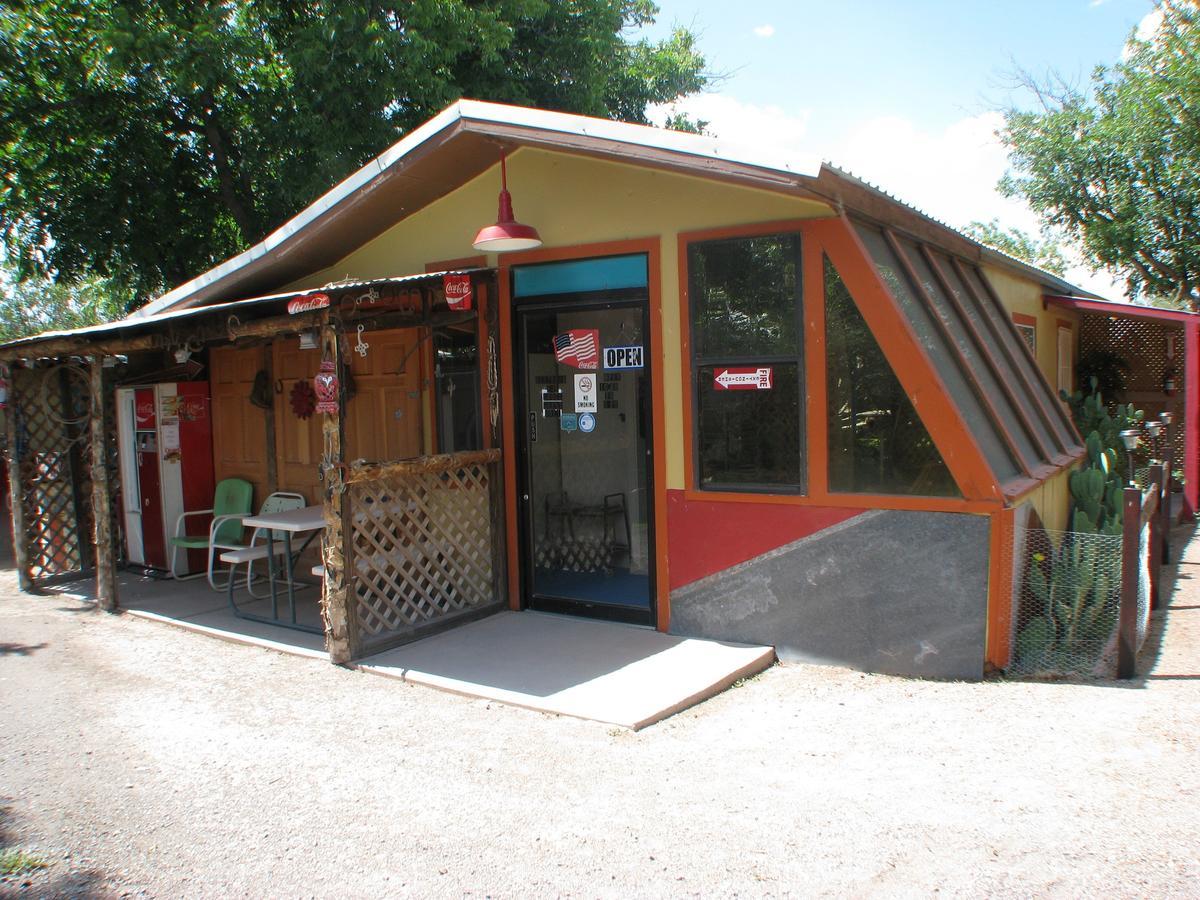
(1152, 350)
(420, 548)
(52, 411)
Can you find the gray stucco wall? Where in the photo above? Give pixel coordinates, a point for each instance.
(903, 593)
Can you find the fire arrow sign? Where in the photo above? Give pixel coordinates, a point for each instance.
(743, 378)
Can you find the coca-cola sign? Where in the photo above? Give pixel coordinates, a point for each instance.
(308, 303)
(458, 291)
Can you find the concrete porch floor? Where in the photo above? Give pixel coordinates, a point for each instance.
(603, 671)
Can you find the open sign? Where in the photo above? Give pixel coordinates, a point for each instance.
(623, 358)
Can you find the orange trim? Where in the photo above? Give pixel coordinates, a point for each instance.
(1065, 323)
(462, 262)
(684, 238)
(509, 439)
(1022, 319)
(836, 238)
(653, 249)
(902, 349)
(1000, 588)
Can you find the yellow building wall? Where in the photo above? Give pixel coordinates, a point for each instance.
(1051, 500)
(1022, 295)
(577, 200)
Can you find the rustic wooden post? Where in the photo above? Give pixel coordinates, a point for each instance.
(16, 488)
(1155, 543)
(1127, 623)
(102, 505)
(1165, 512)
(342, 638)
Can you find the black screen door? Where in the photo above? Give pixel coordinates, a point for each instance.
(583, 386)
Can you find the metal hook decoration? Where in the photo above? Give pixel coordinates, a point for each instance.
(361, 347)
(371, 296)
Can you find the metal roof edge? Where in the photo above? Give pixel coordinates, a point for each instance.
(1121, 308)
(479, 111)
(987, 252)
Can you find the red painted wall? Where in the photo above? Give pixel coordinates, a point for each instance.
(706, 537)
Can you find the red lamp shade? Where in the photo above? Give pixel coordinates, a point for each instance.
(507, 234)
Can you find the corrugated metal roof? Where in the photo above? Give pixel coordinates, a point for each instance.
(144, 323)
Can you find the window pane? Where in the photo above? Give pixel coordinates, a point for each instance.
(456, 373)
(877, 443)
(944, 357)
(749, 437)
(744, 296)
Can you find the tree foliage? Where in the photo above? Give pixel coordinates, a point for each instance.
(143, 140)
(1117, 167)
(34, 305)
(1043, 252)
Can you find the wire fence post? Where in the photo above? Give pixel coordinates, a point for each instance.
(1128, 619)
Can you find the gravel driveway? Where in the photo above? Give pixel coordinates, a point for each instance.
(137, 759)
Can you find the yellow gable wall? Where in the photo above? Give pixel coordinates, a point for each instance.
(577, 200)
(1021, 295)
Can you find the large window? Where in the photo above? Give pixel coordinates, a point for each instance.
(747, 366)
(877, 442)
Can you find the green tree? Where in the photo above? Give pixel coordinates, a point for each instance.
(33, 305)
(1042, 252)
(143, 140)
(1116, 167)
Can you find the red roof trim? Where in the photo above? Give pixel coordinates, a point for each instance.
(1111, 308)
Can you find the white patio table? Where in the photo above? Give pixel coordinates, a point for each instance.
(307, 519)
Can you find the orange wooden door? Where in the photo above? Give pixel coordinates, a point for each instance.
(239, 427)
(297, 440)
(383, 421)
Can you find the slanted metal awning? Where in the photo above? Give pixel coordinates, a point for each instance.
(77, 340)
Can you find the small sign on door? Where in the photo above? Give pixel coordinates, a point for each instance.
(585, 393)
(623, 358)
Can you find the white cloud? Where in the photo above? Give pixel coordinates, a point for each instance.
(765, 31)
(950, 174)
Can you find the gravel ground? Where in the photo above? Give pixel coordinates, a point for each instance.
(137, 759)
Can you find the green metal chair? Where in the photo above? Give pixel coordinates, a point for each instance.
(231, 503)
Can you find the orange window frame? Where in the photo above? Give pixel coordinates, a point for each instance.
(835, 238)
(652, 248)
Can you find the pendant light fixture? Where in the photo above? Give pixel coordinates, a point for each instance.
(507, 234)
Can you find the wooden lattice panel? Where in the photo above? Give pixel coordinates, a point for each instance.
(420, 548)
(52, 451)
(1144, 346)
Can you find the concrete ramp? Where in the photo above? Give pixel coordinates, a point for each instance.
(604, 671)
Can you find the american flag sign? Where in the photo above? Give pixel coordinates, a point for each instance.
(579, 347)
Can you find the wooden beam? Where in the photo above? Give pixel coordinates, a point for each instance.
(102, 505)
(342, 638)
(16, 488)
(81, 346)
(421, 466)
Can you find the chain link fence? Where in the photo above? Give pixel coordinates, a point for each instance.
(1068, 602)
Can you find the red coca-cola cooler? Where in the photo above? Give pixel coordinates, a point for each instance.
(164, 438)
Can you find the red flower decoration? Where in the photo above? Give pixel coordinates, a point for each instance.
(303, 399)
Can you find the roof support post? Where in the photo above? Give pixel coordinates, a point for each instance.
(16, 487)
(102, 506)
(342, 637)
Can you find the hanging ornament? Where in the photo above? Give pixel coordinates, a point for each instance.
(303, 399)
(325, 384)
(361, 347)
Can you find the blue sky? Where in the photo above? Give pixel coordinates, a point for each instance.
(902, 92)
